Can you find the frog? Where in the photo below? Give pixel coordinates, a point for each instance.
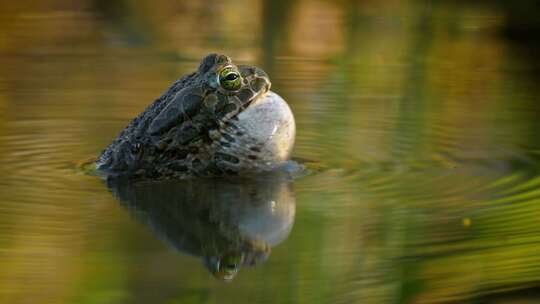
(219, 120)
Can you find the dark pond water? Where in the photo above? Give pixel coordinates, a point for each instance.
(418, 123)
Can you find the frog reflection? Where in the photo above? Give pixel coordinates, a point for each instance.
(229, 224)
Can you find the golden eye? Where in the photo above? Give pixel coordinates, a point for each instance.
(230, 79)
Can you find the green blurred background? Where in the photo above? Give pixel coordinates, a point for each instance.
(418, 122)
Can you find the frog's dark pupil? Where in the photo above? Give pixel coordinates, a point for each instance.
(231, 76)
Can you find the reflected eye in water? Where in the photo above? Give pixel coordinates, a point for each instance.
(231, 267)
(226, 268)
(220, 222)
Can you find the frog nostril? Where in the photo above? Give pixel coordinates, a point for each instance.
(259, 84)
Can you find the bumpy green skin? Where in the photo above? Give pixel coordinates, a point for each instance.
(185, 131)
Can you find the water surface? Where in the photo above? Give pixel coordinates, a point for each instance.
(418, 124)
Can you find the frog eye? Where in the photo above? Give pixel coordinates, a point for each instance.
(230, 79)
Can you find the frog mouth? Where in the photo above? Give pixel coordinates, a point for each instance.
(257, 98)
